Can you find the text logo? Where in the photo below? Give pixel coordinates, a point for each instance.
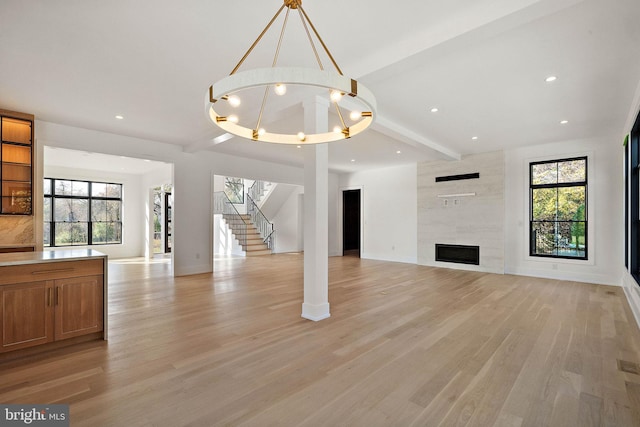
(34, 415)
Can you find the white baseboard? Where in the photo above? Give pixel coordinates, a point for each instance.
(405, 260)
(193, 269)
(572, 276)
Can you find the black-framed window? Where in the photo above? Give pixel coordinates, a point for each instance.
(633, 201)
(234, 189)
(558, 208)
(80, 213)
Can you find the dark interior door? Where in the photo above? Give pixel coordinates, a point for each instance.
(351, 222)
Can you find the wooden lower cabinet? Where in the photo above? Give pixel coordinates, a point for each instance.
(78, 306)
(51, 307)
(27, 315)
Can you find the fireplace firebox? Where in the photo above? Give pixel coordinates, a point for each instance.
(460, 254)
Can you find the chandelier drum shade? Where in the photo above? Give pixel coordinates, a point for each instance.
(225, 96)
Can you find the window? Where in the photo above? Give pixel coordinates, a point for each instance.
(633, 201)
(558, 217)
(234, 189)
(78, 213)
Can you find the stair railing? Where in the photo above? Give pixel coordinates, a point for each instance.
(256, 189)
(222, 205)
(264, 226)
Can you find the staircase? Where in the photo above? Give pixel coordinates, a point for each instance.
(247, 234)
(254, 233)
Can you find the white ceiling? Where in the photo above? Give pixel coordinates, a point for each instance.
(100, 162)
(482, 63)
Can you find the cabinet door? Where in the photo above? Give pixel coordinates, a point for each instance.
(26, 315)
(78, 306)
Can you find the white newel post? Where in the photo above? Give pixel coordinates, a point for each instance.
(316, 214)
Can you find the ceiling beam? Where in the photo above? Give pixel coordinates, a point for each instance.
(475, 22)
(400, 133)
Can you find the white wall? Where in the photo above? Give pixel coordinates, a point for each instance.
(605, 198)
(389, 212)
(335, 216)
(224, 242)
(286, 223)
(193, 187)
(133, 216)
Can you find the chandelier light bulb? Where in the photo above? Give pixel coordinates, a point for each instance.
(301, 136)
(232, 118)
(234, 101)
(280, 89)
(336, 96)
(355, 115)
(337, 129)
(261, 131)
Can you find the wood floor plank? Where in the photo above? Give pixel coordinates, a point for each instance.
(405, 345)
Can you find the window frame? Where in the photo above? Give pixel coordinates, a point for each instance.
(558, 186)
(228, 183)
(89, 198)
(633, 202)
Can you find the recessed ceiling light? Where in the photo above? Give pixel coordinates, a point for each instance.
(550, 79)
(119, 117)
(353, 160)
(434, 110)
(474, 138)
(298, 146)
(564, 122)
(398, 152)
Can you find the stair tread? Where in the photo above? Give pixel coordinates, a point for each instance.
(247, 234)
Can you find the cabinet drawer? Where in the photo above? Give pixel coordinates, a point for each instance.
(50, 271)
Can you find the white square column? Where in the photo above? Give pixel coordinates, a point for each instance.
(316, 214)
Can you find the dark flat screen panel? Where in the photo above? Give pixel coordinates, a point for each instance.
(460, 254)
(458, 177)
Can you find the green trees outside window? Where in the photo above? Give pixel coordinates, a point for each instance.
(234, 189)
(558, 200)
(80, 213)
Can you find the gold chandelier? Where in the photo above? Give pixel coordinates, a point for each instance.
(335, 86)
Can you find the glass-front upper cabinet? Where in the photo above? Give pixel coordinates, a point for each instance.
(16, 172)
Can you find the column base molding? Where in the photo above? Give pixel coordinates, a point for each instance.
(315, 312)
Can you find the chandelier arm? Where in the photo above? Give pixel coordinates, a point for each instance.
(257, 40)
(275, 61)
(313, 46)
(284, 27)
(326, 49)
(344, 126)
(264, 102)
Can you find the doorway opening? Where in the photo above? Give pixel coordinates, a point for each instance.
(167, 222)
(162, 218)
(351, 223)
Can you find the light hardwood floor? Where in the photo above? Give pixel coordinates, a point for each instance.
(405, 345)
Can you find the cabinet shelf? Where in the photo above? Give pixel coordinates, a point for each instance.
(16, 130)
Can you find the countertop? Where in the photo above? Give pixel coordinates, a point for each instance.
(22, 258)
